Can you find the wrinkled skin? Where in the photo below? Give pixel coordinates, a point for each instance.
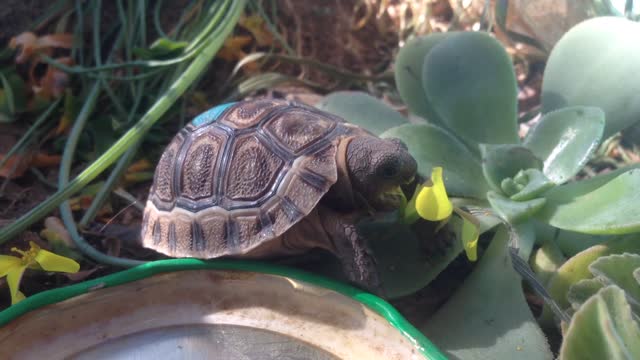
(373, 172)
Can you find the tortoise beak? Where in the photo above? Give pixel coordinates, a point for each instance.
(392, 199)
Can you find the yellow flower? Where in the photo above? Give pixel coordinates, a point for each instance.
(35, 258)
(432, 202)
(469, 234)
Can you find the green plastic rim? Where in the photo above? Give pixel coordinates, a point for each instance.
(426, 347)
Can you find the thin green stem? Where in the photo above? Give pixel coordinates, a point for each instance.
(63, 179)
(213, 44)
(109, 184)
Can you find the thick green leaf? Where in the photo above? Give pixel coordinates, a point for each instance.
(565, 139)
(500, 162)
(576, 269)
(408, 74)
(597, 63)
(530, 183)
(609, 209)
(514, 211)
(488, 317)
(603, 328)
(616, 270)
(582, 290)
(546, 261)
(404, 265)
(431, 146)
(568, 242)
(363, 110)
(523, 237)
(468, 78)
(481, 210)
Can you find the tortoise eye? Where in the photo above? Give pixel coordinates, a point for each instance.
(389, 170)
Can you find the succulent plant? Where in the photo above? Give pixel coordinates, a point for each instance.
(522, 190)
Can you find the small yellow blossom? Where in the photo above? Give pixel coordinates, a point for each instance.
(469, 235)
(35, 258)
(432, 202)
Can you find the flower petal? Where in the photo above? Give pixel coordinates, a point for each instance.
(19, 297)
(53, 262)
(469, 239)
(432, 202)
(13, 279)
(7, 263)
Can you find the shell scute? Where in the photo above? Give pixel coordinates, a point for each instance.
(199, 166)
(253, 170)
(298, 129)
(163, 178)
(248, 114)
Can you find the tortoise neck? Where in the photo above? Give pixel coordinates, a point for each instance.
(341, 193)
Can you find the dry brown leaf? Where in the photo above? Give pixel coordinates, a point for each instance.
(140, 165)
(54, 82)
(81, 275)
(45, 160)
(30, 44)
(232, 48)
(56, 231)
(16, 166)
(256, 26)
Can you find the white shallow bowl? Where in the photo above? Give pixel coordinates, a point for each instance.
(207, 314)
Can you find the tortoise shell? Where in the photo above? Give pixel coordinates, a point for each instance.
(226, 185)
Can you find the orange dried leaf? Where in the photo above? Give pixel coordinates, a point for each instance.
(30, 44)
(256, 26)
(232, 48)
(27, 43)
(45, 160)
(53, 83)
(16, 166)
(140, 165)
(134, 178)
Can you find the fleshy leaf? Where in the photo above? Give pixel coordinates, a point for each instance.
(500, 162)
(404, 265)
(609, 209)
(514, 211)
(408, 74)
(565, 139)
(432, 202)
(616, 270)
(363, 110)
(488, 317)
(457, 74)
(574, 72)
(576, 269)
(546, 261)
(432, 146)
(603, 328)
(523, 237)
(533, 184)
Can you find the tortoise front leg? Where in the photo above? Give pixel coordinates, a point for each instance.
(353, 251)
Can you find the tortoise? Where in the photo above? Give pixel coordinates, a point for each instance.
(267, 178)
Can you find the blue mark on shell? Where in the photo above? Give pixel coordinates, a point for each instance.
(210, 115)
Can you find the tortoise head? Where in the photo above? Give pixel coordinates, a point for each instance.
(378, 168)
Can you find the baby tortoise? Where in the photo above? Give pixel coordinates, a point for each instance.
(267, 178)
